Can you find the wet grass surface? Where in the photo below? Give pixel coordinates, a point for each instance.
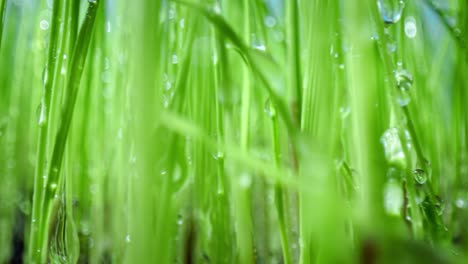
(233, 131)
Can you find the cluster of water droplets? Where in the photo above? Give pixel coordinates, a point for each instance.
(271, 23)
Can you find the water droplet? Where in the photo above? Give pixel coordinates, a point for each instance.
(403, 99)
(106, 63)
(133, 159)
(166, 101)
(92, 1)
(245, 180)
(44, 24)
(171, 13)
(106, 76)
(393, 197)
(386, 32)
(93, 188)
(120, 133)
(391, 47)
(460, 203)
(410, 27)
(278, 36)
(45, 75)
(33, 220)
(174, 59)
(269, 109)
(182, 23)
(41, 114)
(390, 10)
(418, 199)
(393, 148)
(408, 139)
(404, 79)
(53, 186)
(218, 155)
(344, 111)
(259, 46)
(420, 176)
(177, 174)
(180, 220)
(270, 21)
(216, 8)
(127, 238)
(108, 27)
(439, 205)
(168, 85)
(341, 66)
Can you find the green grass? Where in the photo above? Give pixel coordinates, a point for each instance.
(191, 131)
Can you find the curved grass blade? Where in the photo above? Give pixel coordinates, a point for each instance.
(252, 56)
(76, 69)
(40, 173)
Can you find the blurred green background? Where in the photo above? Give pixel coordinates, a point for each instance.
(233, 131)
